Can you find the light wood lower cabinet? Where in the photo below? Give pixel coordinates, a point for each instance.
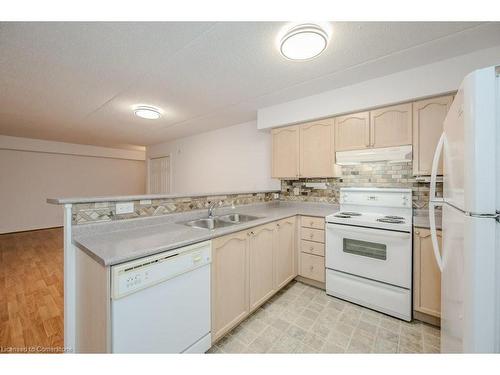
(312, 250)
(427, 277)
(285, 252)
(248, 267)
(230, 302)
(262, 283)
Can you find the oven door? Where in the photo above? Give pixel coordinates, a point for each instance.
(377, 254)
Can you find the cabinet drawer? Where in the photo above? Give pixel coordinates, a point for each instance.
(311, 247)
(310, 234)
(312, 222)
(312, 267)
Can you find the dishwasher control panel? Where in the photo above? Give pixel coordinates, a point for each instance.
(133, 276)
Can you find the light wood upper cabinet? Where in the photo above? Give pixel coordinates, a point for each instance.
(285, 252)
(229, 282)
(316, 149)
(391, 126)
(428, 118)
(427, 277)
(352, 132)
(285, 152)
(261, 261)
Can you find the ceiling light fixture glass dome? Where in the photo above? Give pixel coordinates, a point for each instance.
(304, 42)
(147, 112)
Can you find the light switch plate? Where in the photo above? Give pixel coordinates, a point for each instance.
(124, 208)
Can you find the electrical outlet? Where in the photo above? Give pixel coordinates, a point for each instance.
(145, 201)
(124, 208)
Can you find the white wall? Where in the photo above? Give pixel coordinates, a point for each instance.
(235, 158)
(427, 80)
(32, 171)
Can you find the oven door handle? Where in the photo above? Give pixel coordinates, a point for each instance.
(384, 232)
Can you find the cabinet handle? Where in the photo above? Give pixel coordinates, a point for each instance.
(312, 223)
(311, 249)
(311, 268)
(417, 232)
(311, 235)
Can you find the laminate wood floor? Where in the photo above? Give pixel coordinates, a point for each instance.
(31, 292)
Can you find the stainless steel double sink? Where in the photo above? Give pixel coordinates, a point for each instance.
(220, 221)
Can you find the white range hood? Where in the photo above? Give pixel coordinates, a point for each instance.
(389, 154)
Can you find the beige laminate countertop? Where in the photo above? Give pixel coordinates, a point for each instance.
(121, 241)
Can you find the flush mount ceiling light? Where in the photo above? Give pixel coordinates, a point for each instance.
(303, 42)
(147, 112)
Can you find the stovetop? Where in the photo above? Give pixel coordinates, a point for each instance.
(382, 208)
(398, 222)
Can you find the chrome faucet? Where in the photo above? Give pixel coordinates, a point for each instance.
(211, 209)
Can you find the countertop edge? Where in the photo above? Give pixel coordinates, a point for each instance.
(121, 198)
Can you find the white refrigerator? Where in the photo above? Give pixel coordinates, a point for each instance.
(470, 255)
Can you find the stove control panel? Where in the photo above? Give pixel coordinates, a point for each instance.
(400, 198)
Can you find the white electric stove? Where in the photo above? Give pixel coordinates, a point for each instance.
(369, 249)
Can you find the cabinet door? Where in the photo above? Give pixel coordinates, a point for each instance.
(261, 262)
(391, 126)
(428, 118)
(285, 252)
(352, 132)
(229, 282)
(427, 277)
(286, 152)
(316, 149)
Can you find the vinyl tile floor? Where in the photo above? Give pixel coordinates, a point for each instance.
(303, 319)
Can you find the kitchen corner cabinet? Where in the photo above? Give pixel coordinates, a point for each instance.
(428, 118)
(352, 132)
(391, 126)
(248, 267)
(285, 252)
(230, 302)
(316, 149)
(427, 277)
(285, 152)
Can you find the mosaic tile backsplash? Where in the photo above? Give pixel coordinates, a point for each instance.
(378, 174)
(83, 213)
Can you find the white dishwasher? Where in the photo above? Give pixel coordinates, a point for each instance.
(161, 303)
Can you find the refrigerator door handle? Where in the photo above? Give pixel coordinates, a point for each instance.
(435, 164)
(432, 225)
(434, 202)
